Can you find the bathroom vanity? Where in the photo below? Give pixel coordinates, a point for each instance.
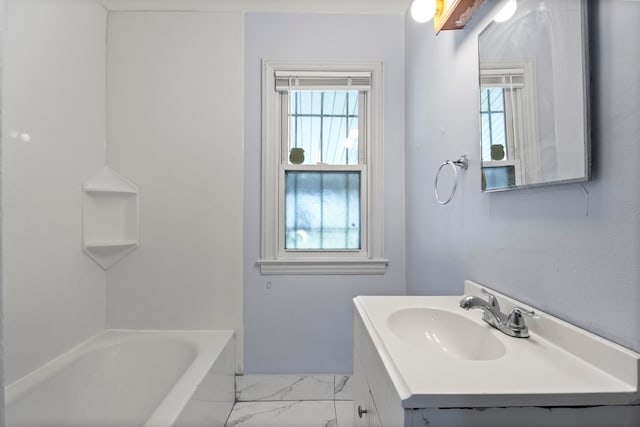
(424, 361)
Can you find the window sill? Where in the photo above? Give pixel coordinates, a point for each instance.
(322, 266)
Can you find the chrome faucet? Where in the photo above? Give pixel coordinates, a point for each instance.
(512, 324)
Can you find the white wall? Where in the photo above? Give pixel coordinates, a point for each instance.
(174, 116)
(303, 324)
(571, 250)
(53, 89)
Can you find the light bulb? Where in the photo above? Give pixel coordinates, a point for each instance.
(423, 10)
(507, 11)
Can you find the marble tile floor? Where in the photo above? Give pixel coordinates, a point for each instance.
(292, 400)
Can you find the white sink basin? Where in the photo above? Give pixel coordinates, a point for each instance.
(434, 354)
(429, 329)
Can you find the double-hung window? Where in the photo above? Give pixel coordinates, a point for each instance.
(322, 202)
(508, 124)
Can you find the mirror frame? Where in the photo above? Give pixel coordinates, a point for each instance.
(586, 106)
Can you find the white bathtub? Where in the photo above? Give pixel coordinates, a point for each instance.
(130, 378)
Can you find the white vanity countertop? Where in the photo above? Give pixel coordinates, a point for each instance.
(558, 365)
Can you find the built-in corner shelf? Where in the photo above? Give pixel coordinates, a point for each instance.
(109, 217)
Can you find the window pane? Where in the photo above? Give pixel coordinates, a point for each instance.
(492, 119)
(498, 129)
(322, 210)
(496, 100)
(325, 125)
(485, 134)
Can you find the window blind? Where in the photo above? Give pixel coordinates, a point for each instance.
(508, 78)
(331, 80)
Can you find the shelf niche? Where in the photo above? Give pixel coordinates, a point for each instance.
(109, 217)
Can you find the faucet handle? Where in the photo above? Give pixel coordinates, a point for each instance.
(491, 298)
(515, 320)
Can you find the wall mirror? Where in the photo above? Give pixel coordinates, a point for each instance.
(534, 102)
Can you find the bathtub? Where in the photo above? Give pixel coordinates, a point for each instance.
(130, 378)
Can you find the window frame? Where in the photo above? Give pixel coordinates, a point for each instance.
(521, 132)
(274, 258)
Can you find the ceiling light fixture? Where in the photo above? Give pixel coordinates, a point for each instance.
(423, 10)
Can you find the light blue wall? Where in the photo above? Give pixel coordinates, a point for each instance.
(572, 250)
(303, 324)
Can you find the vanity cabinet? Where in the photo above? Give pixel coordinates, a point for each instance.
(365, 412)
(535, 382)
(372, 388)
